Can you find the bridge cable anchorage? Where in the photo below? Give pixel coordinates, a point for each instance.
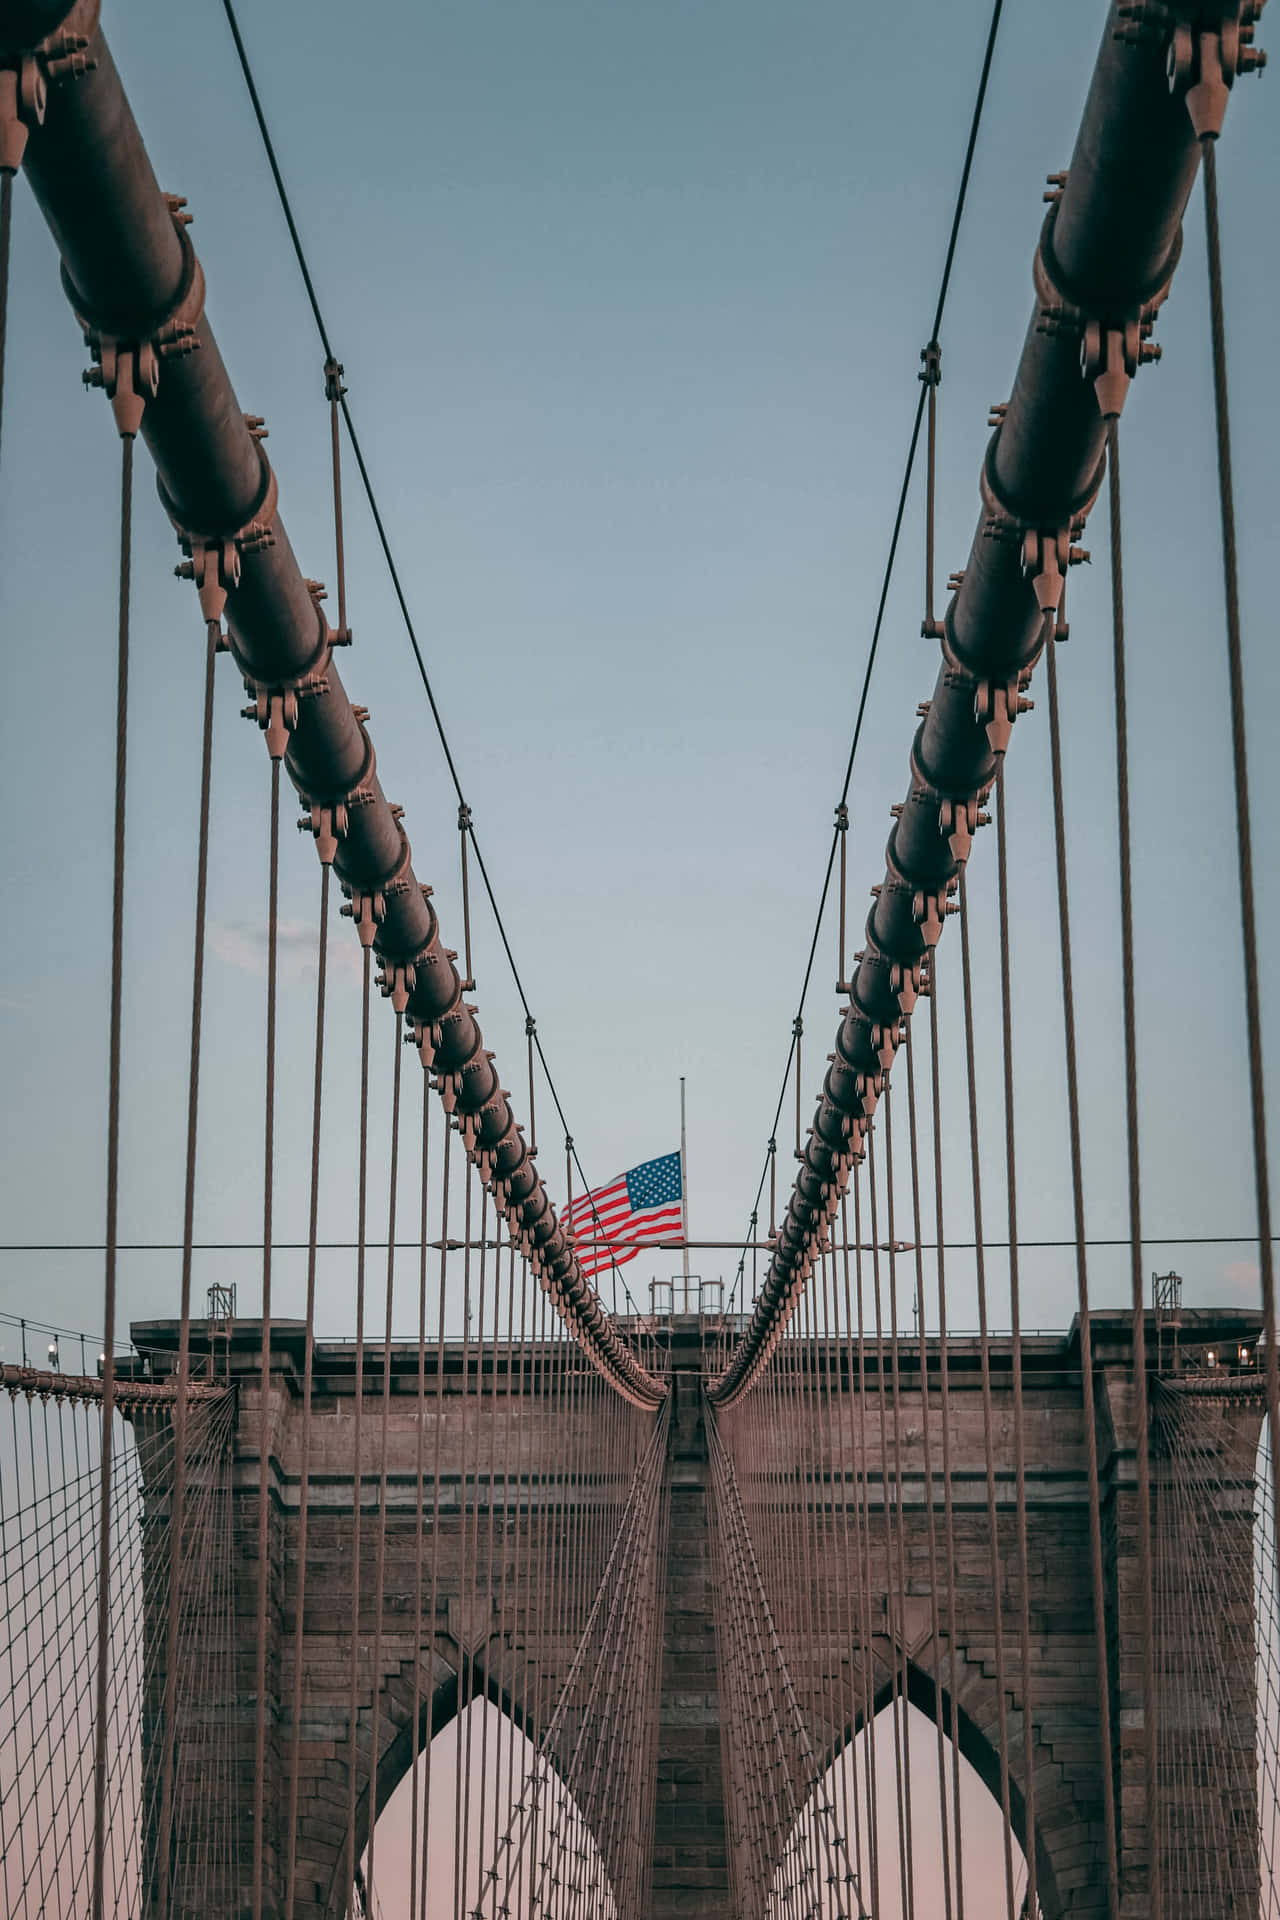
(1210, 51)
(1138, 1316)
(1101, 1654)
(995, 626)
(308, 1386)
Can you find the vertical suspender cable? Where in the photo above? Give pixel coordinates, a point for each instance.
(417, 1745)
(935, 1624)
(893, 1614)
(1015, 1325)
(997, 1594)
(462, 1637)
(188, 1234)
(1244, 830)
(308, 1367)
(870, 1770)
(264, 1378)
(895, 1361)
(362, 1227)
(112, 1221)
(1082, 1281)
(1150, 1730)
(435, 1506)
(944, 1381)
(384, 1441)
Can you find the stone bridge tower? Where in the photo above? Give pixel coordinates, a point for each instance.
(516, 1656)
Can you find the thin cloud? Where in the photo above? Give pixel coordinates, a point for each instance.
(243, 944)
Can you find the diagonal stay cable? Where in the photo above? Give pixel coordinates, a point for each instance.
(962, 193)
(392, 569)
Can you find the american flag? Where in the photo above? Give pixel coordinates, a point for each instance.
(641, 1205)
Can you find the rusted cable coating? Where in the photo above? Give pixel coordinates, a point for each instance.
(1244, 829)
(131, 270)
(103, 1654)
(1112, 239)
(1142, 1443)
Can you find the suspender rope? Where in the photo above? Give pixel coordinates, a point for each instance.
(931, 1531)
(264, 1378)
(893, 1613)
(308, 1368)
(900, 1524)
(353, 1694)
(864, 1555)
(113, 1165)
(420, 1496)
(1105, 1763)
(384, 1441)
(1244, 829)
(435, 1504)
(997, 1583)
(1150, 1727)
(1015, 1323)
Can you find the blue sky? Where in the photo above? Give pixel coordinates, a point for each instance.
(630, 301)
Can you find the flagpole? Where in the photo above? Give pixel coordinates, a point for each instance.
(684, 1197)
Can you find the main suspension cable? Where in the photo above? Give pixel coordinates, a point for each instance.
(927, 385)
(337, 394)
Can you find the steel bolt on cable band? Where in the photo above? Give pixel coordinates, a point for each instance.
(130, 270)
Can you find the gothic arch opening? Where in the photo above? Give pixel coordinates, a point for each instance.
(869, 1764)
(475, 1768)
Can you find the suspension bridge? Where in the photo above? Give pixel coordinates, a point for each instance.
(530, 1596)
